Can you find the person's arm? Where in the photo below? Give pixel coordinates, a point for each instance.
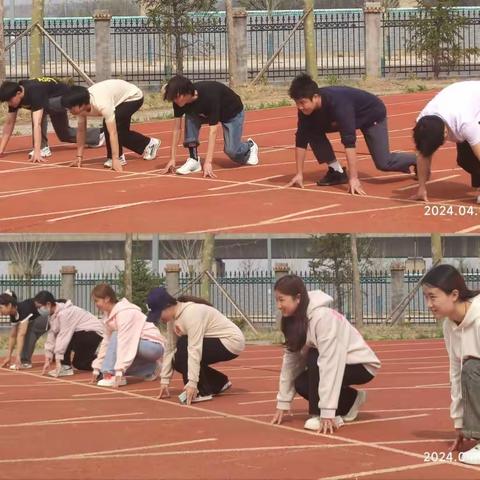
(423, 173)
(81, 135)
(37, 116)
(354, 182)
(168, 355)
(12, 340)
(7, 131)
(112, 131)
(212, 137)
(177, 128)
(300, 155)
(22, 331)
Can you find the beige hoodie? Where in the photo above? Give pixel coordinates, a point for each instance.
(338, 342)
(462, 341)
(130, 323)
(198, 321)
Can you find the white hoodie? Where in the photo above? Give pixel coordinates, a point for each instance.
(462, 341)
(338, 343)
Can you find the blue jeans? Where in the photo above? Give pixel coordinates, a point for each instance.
(234, 148)
(144, 363)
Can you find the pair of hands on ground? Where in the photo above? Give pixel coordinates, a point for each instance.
(354, 187)
(327, 425)
(190, 391)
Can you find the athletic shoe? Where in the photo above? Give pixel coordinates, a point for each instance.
(65, 371)
(44, 152)
(199, 398)
(190, 166)
(472, 456)
(155, 375)
(13, 367)
(313, 423)
(151, 149)
(359, 401)
(226, 387)
(109, 381)
(25, 366)
(253, 158)
(101, 140)
(109, 163)
(333, 178)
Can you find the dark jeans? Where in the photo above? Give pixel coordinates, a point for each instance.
(376, 137)
(126, 138)
(469, 162)
(471, 398)
(84, 345)
(36, 328)
(306, 384)
(210, 381)
(65, 133)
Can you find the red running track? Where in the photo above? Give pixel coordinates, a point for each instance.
(66, 428)
(58, 198)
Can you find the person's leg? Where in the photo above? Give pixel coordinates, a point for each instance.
(234, 148)
(306, 384)
(193, 123)
(44, 126)
(471, 398)
(36, 328)
(85, 347)
(146, 360)
(323, 152)
(467, 160)
(180, 361)
(377, 141)
(353, 375)
(108, 365)
(128, 138)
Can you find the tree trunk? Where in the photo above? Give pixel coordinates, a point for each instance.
(232, 53)
(357, 286)
(178, 53)
(2, 44)
(128, 266)
(437, 250)
(208, 252)
(309, 34)
(36, 39)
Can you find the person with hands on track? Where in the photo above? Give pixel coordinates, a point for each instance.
(131, 345)
(213, 103)
(324, 355)
(344, 110)
(198, 335)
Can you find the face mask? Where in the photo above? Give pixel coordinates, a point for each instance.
(45, 311)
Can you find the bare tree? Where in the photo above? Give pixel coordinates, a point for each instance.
(26, 256)
(186, 251)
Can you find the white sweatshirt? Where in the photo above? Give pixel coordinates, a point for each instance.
(462, 341)
(338, 343)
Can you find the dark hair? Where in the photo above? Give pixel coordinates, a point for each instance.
(429, 135)
(178, 85)
(294, 328)
(104, 290)
(8, 90)
(303, 86)
(45, 297)
(191, 298)
(8, 298)
(77, 96)
(447, 278)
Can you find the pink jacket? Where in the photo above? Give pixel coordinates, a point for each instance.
(131, 326)
(68, 319)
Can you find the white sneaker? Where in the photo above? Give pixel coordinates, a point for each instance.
(472, 456)
(110, 381)
(190, 166)
(151, 149)
(109, 163)
(14, 367)
(25, 366)
(226, 387)
(65, 371)
(44, 152)
(199, 398)
(253, 158)
(101, 140)
(313, 423)
(359, 401)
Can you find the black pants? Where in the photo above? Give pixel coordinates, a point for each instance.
(84, 345)
(306, 384)
(469, 162)
(126, 138)
(36, 328)
(210, 381)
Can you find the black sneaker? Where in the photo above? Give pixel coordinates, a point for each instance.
(333, 178)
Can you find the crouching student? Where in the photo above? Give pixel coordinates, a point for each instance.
(449, 298)
(131, 346)
(27, 326)
(324, 356)
(72, 330)
(198, 336)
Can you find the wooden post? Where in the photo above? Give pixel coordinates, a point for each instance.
(310, 44)
(208, 252)
(357, 286)
(397, 270)
(128, 266)
(36, 40)
(437, 250)
(232, 57)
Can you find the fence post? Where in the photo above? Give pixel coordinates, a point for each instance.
(103, 61)
(280, 270)
(240, 45)
(172, 278)
(372, 12)
(397, 270)
(67, 288)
